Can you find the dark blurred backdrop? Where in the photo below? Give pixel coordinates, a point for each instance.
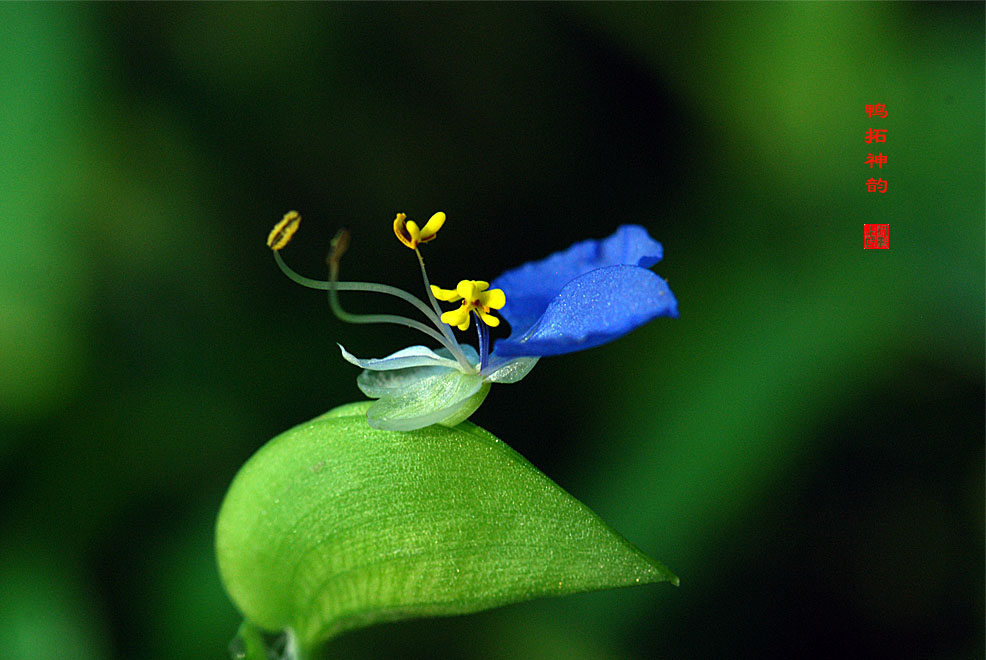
(804, 446)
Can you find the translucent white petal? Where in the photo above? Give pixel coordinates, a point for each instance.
(412, 356)
(471, 355)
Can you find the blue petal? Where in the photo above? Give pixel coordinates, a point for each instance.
(593, 309)
(531, 287)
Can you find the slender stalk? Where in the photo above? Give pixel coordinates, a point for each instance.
(323, 285)
(443, 336)
(484, 341)
(446, 329)
(292, 649)
(381, 318)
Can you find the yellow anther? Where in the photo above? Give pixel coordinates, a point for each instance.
(282, 232)
(475, 298)
(408, 232)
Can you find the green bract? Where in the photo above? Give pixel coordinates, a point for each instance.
(335, 525)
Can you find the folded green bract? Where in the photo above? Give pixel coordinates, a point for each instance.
(334, 525)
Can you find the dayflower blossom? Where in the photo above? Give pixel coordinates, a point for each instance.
(585, 296)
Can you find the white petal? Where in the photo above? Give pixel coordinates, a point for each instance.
(412, 356)
(471, 355)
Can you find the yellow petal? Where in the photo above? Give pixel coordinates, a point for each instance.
(431, 227)
(495, 298)
(448, 295)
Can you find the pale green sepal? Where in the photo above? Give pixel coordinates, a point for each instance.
(511, 371)
(334, 525)
(376, 384)
(426, 402)
(469, 406)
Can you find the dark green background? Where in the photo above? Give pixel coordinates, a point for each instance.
(804, 446)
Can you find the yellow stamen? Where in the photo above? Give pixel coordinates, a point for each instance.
(408, 232)
(448, 295)
(475, 296)
(282, 232)
(489, 319)
(457, 317)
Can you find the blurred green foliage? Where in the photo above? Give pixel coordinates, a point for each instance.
(804, 446)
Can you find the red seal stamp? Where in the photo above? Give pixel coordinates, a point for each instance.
(876, 237)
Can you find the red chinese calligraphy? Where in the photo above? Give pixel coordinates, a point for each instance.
(876, 110)
(876, 135)
(879, 160)
(876, 185)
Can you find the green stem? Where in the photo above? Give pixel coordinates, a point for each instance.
(335, 287)
(446, 329)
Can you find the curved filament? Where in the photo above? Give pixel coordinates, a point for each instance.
(333, 286)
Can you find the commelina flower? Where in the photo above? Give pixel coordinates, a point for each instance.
(585, 296)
